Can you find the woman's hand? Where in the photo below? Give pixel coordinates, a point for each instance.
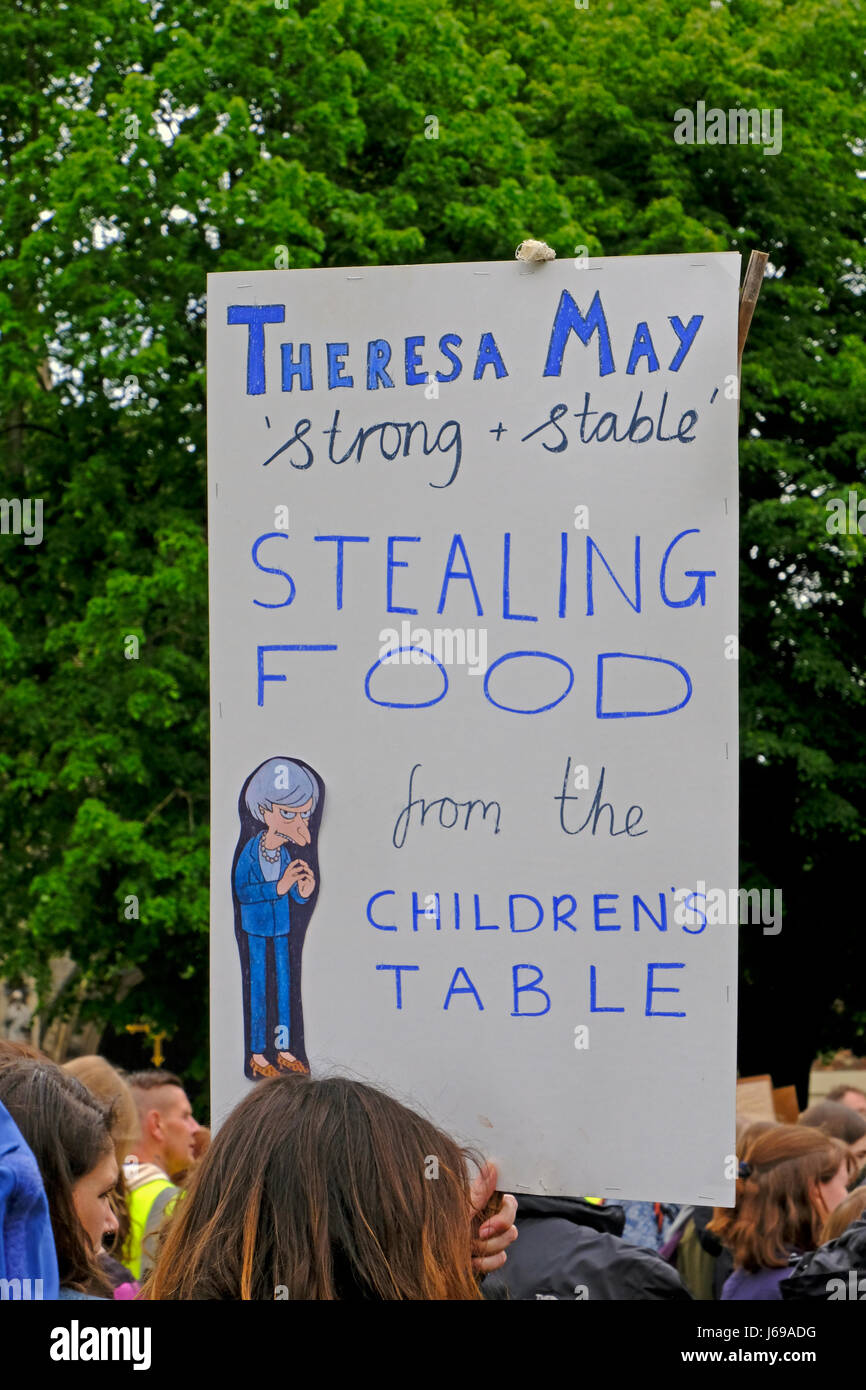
(306, 879)
(497, 1230)
(297, 873)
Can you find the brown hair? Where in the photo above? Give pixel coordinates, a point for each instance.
(151, 1079)
(100, 1077)
(839, 1220)
(69, 1131)
(322, 1189)
(839, 1091)
(14, 1051)
(839, 1120)
(774, 1212)
(748, 1131)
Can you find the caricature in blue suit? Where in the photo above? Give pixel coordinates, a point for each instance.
(281, 797)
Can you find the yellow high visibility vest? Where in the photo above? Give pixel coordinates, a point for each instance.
(140, 1201)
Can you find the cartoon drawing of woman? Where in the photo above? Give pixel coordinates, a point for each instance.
(280, 806)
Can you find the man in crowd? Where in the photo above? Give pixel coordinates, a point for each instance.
(165, 1152)
(851, 1096)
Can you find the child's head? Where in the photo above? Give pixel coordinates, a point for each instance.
(791, 1178)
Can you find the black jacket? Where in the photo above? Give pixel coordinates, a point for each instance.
(724, 1265)
(570, 1249)
(818, 1272)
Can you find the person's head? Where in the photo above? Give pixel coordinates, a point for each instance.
(283, 796)
(322, 1189)
(14, 1051)
(851, 1096)
(168, 1127)
(69, 1132)
(840, 1219)
(840, 1121)
(748, 1130)
(791, 1178)
(100, 1077)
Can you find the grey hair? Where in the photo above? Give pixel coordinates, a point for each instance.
(282, 783)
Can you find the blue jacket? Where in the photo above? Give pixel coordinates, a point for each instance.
(264, 912)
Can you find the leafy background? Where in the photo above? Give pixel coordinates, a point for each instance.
(143, 145)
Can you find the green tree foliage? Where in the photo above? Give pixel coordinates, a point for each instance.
(143, 145)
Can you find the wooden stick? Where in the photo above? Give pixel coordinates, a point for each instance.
(748, 299)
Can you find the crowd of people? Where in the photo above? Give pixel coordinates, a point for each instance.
(331, 1189)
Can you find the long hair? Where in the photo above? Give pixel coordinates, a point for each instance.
(322, 1189)
(774, 1212)
(107, 1084)
(69, 1131)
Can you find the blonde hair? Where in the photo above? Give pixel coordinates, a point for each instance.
(100, 1077)
(839, 1220)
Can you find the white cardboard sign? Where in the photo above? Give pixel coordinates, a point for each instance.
(473, 556)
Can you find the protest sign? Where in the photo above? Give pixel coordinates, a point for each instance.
(755, 1098)
(473, 557)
